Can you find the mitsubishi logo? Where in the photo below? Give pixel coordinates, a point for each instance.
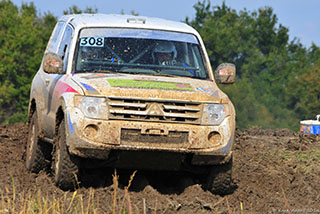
(155, 109)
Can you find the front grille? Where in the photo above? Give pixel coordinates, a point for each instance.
(154, 110)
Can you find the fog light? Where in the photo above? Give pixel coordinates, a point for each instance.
(214, 138)
(91, 131)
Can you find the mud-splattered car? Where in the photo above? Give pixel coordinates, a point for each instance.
(133, 92)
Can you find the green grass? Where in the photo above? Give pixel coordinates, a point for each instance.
(306, 156)
(306, 160)
(36, 202)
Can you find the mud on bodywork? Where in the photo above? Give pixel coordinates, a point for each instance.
(131, 95)
(137, 120)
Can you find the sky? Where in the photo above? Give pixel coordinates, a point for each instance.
(300, 17)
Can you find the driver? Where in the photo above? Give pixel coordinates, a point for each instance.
(164, 53)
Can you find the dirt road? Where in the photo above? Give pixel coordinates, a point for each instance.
(275, 171)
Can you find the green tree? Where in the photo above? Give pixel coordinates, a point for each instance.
(132, 12)
(75, 10)
(265, 60)
(303, 93)
(23, 37)
(249, 111)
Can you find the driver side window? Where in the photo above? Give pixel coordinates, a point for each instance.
(63, 51)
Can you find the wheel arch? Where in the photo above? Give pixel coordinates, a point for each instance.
(59, 117)
(60, 114)
(32, 109)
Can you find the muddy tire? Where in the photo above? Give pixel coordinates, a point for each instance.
(35, 150)
(64, 166)
(219, 180)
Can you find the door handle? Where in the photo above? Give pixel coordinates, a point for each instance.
(47, 82)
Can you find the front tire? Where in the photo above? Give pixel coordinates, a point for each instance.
(65, 166)
(219, 180)
(35, 151)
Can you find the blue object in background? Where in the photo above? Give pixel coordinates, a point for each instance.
(310, 127)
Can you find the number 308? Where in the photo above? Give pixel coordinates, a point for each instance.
(92, 42)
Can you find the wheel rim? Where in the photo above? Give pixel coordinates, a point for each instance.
(31, 144)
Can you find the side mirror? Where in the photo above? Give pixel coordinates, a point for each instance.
(225, 73)
(52, 63)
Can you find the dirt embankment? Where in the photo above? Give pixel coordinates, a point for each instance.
(274, 171)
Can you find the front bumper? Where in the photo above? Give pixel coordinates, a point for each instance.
(90, 138)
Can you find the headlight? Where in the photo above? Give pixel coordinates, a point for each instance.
(94, 107)
(213, 114)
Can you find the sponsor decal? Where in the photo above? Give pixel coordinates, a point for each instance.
(70, 125)
(58, 87)
(210, 91)
(63, 87)
(89, 89)
(125, 83)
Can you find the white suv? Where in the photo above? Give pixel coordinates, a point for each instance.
(136, 92)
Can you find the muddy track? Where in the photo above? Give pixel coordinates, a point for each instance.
(274, 170)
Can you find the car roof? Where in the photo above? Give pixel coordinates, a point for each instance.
(126, 21)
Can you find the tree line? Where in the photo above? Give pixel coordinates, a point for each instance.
(277, 79)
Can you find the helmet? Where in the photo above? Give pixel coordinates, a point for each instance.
(164, 47)
(89, 52)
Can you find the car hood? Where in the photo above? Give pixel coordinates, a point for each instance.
(149, 87)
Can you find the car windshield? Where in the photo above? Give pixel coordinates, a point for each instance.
(137, 51)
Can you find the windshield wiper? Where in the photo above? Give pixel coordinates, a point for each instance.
(172, 75)
(98, 71)
(103, 71)
(165, 75)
